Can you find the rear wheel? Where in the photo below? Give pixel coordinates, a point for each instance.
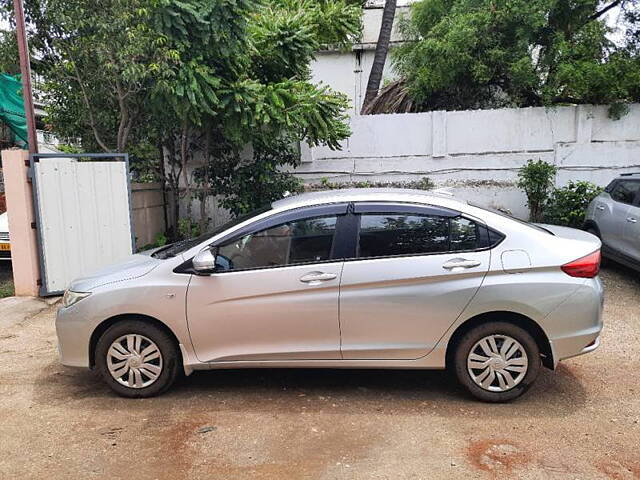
(497, 361)
(137, 359)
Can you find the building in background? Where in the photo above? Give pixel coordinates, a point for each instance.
(348, 71)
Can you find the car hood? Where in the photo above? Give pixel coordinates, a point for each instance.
(132, 267)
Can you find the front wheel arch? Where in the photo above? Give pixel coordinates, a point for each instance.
(522, 321)
(105, 324)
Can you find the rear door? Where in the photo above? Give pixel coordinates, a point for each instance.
(415, 269)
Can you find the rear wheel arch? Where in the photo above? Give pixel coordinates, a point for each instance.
(105, 324)
(518, 319)
(592, 225)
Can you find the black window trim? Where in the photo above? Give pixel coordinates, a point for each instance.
(347, 233)
(292, 215)
(403, 207)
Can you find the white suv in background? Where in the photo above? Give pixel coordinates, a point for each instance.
(614, 216)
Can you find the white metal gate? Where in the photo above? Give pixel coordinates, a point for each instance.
(83, 215)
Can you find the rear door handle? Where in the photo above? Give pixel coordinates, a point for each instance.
(600, 207)
(631, 220)
(317, 277)
(460, 263)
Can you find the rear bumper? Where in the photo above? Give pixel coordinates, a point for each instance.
(574, 327)
(572, 347)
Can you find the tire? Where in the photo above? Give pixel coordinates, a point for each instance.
(142, 377)
(522, 368)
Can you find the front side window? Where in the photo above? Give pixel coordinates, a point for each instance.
(300, 241)
(625, 191)
(383, 235)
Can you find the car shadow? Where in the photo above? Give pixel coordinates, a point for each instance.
(611, 268)
(558, 393)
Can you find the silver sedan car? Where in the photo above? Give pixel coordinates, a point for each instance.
(344, 279)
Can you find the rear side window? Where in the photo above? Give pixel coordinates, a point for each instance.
(464, 234)
(383, 235)
(625, 191)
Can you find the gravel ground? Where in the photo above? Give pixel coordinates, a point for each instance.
(583, 421)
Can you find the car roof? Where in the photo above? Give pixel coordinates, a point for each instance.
(633, 175)
(403, 195)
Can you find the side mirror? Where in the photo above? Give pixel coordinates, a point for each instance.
(205, 261)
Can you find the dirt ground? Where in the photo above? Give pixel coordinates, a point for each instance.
(582, 421)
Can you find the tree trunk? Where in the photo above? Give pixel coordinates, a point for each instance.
(382, 49)
(184, 160)
(204, 193)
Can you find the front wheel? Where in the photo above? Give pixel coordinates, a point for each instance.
(137, 359)
(497, 361)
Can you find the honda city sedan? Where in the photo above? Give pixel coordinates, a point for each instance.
(365, 278)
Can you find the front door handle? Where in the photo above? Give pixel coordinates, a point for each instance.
(317, 277)
(631, 220)
(600, 207)
(460, 263)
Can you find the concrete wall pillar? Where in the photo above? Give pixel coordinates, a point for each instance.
(584, 123)
(439, 133)
(24, 247)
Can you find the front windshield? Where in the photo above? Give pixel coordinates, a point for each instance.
(177, 248)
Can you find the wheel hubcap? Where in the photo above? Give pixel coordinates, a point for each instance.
(497, 363)
(134, 361)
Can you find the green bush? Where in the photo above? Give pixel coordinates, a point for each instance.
(425, 183)
(536, 179)
(188, 228)
(567, 205)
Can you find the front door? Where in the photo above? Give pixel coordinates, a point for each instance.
(414, 274)
(631, 232)
(274, 296)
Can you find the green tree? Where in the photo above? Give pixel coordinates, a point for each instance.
(380, 56)
(466, 54)
(9, 61)
(281, 107)
(194, 78)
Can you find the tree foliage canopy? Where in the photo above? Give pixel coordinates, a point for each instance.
(465, 54)
(9, 62)
(199, 78)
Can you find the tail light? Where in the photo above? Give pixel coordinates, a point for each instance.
(585, 267)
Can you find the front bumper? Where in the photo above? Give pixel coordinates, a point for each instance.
(74, 335)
